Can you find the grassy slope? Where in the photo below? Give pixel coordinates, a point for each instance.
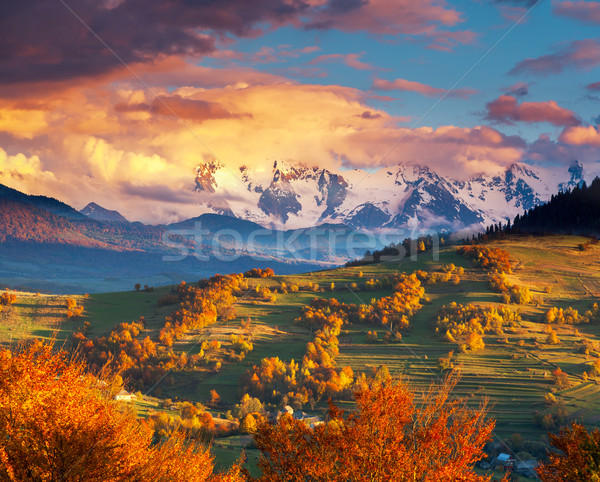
(513, 377)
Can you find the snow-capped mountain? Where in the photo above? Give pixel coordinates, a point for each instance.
(407, 196)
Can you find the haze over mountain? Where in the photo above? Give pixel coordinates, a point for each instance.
(47, 245)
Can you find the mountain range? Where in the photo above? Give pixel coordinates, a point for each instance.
(47, 245)
(290, 217)
(407, 197)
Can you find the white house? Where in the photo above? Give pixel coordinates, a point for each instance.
(125, 396)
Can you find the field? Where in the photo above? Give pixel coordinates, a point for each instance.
(513, 371)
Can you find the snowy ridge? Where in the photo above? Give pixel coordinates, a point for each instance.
(409, 197)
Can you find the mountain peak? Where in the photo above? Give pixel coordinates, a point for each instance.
(576, 171)
(205, 176)
(98, 213)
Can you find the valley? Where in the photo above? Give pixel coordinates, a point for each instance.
(514, 370)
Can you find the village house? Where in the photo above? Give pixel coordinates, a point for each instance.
(503, 461)
(310, 420)
(125, 396)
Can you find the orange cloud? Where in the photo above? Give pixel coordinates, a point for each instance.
(23, 123)
(506, 110)
(117, 146)
(581, 136)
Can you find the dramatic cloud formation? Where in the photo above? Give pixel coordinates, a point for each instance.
(128, 144)
(584, 11)
(506, 110)
(79, 46)
(412, 86)
(57, 41)
(579, 54)
(121, 104)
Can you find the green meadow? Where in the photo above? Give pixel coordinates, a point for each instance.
(512, 372)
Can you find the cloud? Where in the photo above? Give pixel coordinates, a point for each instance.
(453, 151)
(513, 13)
(581, 136)
(578, 142)
(139, 31)
(584, 11)
(520, 89)
(518, 3)
(428, 18)
(22, 121)
(136, 30)
(506, 110)
(280, 53)
(370, 115)
(593, 86)
(180, 107)
(351, 60)
(19, 165)
(579, 54)
(383, 16)
(427, 90)
(128, 152)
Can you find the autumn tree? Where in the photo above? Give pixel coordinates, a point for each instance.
(7, 299)
(390, 437)
(60, 422)
(215, 398)
(561, 379)
(577, 459)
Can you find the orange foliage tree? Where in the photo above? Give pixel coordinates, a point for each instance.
(390, 437)
(491, 259)
(578, 459)
(59, 422)
(7, 299)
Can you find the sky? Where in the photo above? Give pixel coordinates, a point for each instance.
(117, 101)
